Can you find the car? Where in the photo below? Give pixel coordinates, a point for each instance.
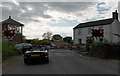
(23, 47)
(38, 55)
(51, 47)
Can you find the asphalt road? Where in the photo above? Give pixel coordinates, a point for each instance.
(62, 62)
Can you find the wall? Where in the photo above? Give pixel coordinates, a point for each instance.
(108, 29)
(17, 39)
(115, 30)
(75, 37)
(83, 35)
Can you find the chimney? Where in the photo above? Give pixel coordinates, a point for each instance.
(115, 15)
(9, 17)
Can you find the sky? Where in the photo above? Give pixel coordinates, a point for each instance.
(57, 17)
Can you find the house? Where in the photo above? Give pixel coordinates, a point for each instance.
(110, 26)
(10, 24)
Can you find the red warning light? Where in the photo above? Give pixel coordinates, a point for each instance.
(100, 31)
(11, 32)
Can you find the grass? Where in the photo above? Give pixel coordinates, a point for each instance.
(0, 51)
(9, 50)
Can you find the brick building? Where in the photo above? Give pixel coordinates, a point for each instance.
(10, 24)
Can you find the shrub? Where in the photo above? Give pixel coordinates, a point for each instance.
(89, 40)
(95, 44)
(118, 43)
(105, 41)
(9, 50)
(92, 52)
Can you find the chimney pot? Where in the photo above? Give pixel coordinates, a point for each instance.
(115, 15)
(9, 17)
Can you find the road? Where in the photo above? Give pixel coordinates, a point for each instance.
(62, 62)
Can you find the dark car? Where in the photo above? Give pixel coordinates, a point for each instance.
(23, 46)
(38, 55)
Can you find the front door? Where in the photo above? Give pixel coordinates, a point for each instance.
(80, 41)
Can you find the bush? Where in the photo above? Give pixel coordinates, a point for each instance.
(9, 50)
(104, 50)
(118, 43)
(95, 44)
(45, 42)
(105, 41)
(60, 41)
(92, 52)
(89, 40)
(0, 51)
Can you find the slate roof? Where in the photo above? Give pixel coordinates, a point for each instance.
(95, 23)
(11, 21)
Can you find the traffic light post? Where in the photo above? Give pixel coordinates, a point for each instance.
(9, 34)
(98, 33)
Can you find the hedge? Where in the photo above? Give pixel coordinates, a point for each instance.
(9, 50)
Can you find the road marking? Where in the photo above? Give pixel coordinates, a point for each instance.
(74, 53)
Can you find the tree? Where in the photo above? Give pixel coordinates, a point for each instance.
(60, 41)
(41, 42)
(56, 37)
(68, 40)
(23, 39)
(36, 42)
(47, 35)
(45, 42)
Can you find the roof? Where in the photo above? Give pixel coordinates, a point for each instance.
(11, 21)
(95, 23)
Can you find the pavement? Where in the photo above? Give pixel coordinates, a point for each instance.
(61, 62)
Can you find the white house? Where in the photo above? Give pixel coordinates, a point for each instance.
(110, 26)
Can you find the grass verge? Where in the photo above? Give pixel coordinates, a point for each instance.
(9, 50)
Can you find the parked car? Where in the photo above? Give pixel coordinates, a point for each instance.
(23, 46)
(51, 47)
(38, 55)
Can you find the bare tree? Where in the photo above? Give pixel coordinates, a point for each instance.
(47, 35)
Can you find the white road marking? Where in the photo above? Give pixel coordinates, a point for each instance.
(74, 53)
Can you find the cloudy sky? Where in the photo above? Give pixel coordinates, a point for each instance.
(56, 17)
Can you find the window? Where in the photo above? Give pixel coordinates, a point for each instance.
(100, 27)
(16, 28)
(79, 31)
(89, 31)
(11, 27)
